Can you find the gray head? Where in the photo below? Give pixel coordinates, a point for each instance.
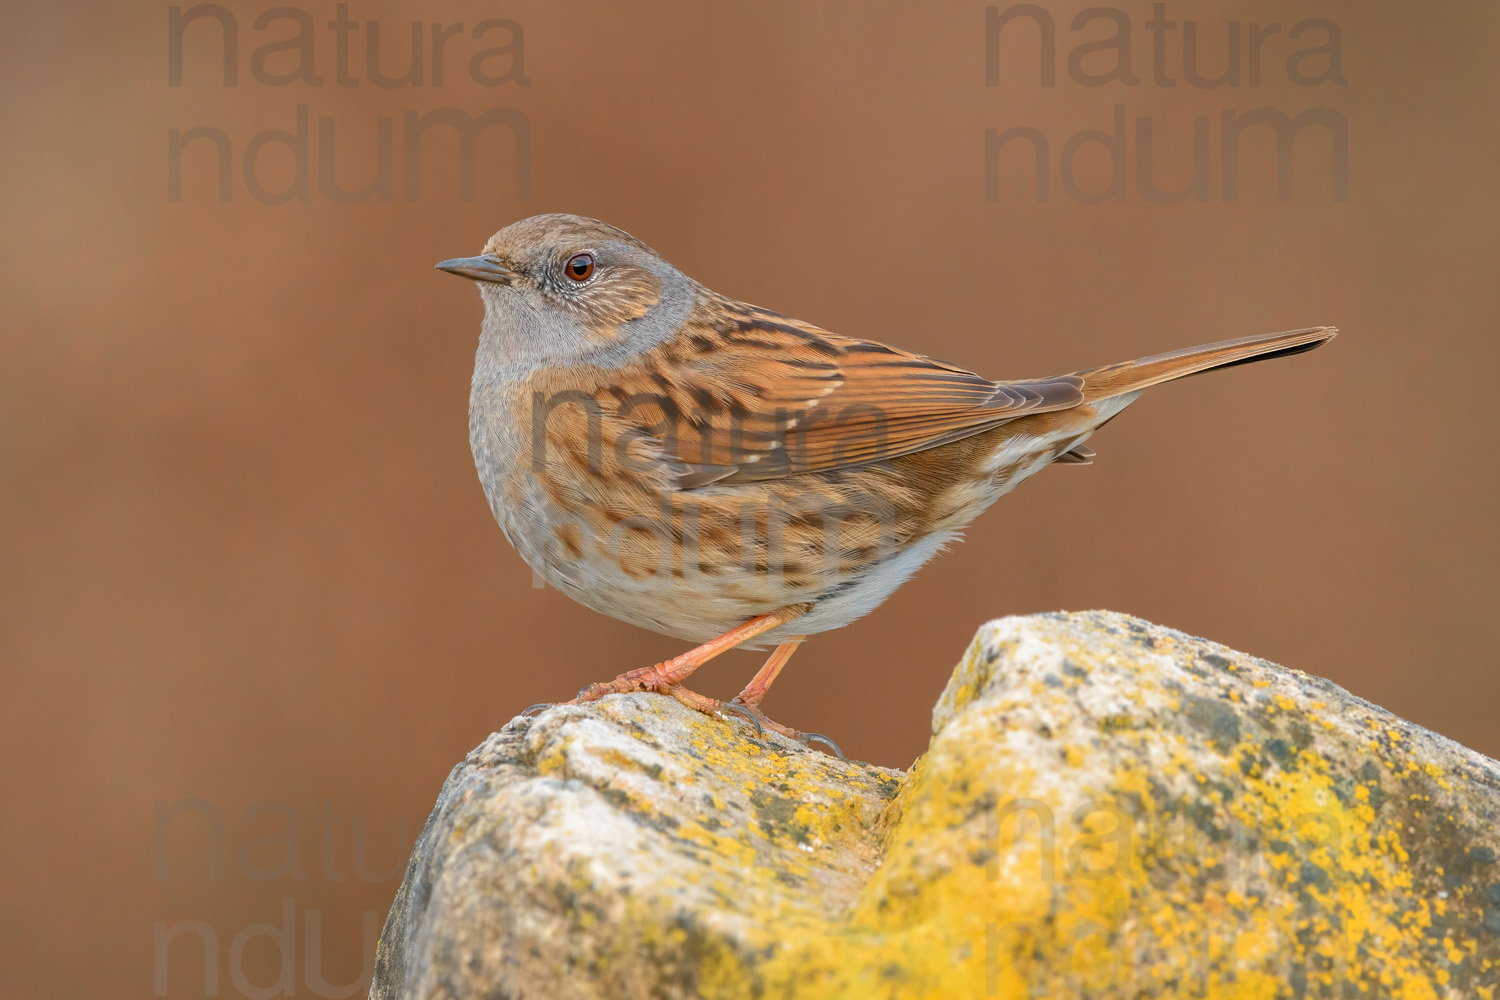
(564, 288)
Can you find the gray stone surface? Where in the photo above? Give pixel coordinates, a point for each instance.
(1107, 809)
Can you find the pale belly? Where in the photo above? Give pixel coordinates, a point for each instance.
(694, 591)
(694, 564)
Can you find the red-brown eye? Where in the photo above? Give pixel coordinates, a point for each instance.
(580, 266)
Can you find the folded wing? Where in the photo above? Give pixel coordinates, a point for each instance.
(750, 395)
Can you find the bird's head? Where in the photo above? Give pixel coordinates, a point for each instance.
(565, 287)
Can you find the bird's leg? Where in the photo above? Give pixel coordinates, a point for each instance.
(667, 677)
(755, 691)
(748, 701)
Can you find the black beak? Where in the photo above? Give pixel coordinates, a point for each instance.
(485, 268)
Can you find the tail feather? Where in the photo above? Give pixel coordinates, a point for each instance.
(1132, 376)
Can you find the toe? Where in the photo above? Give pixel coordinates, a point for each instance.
(809, 738)
(736, 708)
(692, 699)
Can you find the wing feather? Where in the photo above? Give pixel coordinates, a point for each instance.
(758, 396)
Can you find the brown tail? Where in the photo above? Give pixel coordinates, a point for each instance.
(1129, 376)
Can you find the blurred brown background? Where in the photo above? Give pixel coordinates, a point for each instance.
(245, 556)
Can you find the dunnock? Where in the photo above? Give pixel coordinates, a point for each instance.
(718, 472)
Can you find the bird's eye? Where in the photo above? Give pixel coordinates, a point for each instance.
(580, 266)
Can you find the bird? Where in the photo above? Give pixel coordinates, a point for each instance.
(726, 475)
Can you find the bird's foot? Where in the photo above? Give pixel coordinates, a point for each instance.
(654, 678)
(752, 712)
(635, 680)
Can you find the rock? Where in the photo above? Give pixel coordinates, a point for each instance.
(1107, 809)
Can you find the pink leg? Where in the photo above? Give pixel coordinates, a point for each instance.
(755, 691)
(666, 676)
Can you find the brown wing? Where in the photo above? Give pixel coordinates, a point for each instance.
(744, 395)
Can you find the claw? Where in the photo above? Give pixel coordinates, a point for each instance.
(729, 706)
(538, 708)
(806, 738)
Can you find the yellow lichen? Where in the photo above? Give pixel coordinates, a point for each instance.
(1183, 836)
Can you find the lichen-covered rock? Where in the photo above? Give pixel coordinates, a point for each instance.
(1107, 809)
